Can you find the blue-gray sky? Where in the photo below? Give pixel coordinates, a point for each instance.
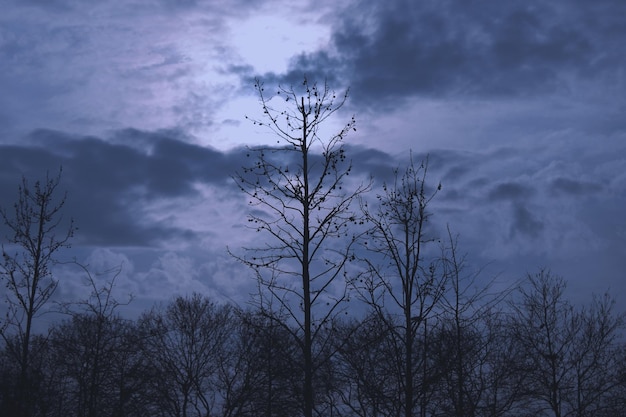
(520, 105)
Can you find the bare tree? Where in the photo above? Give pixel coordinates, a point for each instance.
(546, 324)
(93, 349)
(182, 345)
(258, 374)
(596, 360)
(500, 383)
(45, 391)
(570, 354)
(404, 282)
(301, 202)
(469, 337)
(369, 367)
(36, 237)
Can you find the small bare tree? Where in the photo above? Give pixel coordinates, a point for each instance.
(546, 325)
(36, 236)
(93, 346)
(469, 334)
(182, 344)
(569, 353)
(301, 202)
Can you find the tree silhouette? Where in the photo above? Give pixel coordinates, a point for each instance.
(182, 345)
(469, 341)
(401, 284)
(300, 200)
(93, 348)
(568, 353)
(34, 241)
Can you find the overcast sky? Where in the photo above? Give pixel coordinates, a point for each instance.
(520, 105)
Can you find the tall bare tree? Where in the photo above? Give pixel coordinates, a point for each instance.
(404, 281)
(301, 203)
(36, 235)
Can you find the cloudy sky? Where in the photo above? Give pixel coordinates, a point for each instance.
(520, 105)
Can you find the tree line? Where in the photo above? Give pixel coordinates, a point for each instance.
(194, 357)
(431, 339)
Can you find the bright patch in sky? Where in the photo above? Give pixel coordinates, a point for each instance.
(268, 42)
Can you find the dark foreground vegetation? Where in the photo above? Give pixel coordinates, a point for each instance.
(192, 357)
(364, 308)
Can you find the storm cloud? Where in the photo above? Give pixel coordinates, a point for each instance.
(519, 108)
(394, 50)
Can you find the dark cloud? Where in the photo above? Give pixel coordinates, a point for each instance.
(568, 186)
(393, 50)
(456, 172)
(48, 5)
(108, 182)
(525, 222)
(510, 191)
(373, 163)
(318, 66)
(518, 106)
